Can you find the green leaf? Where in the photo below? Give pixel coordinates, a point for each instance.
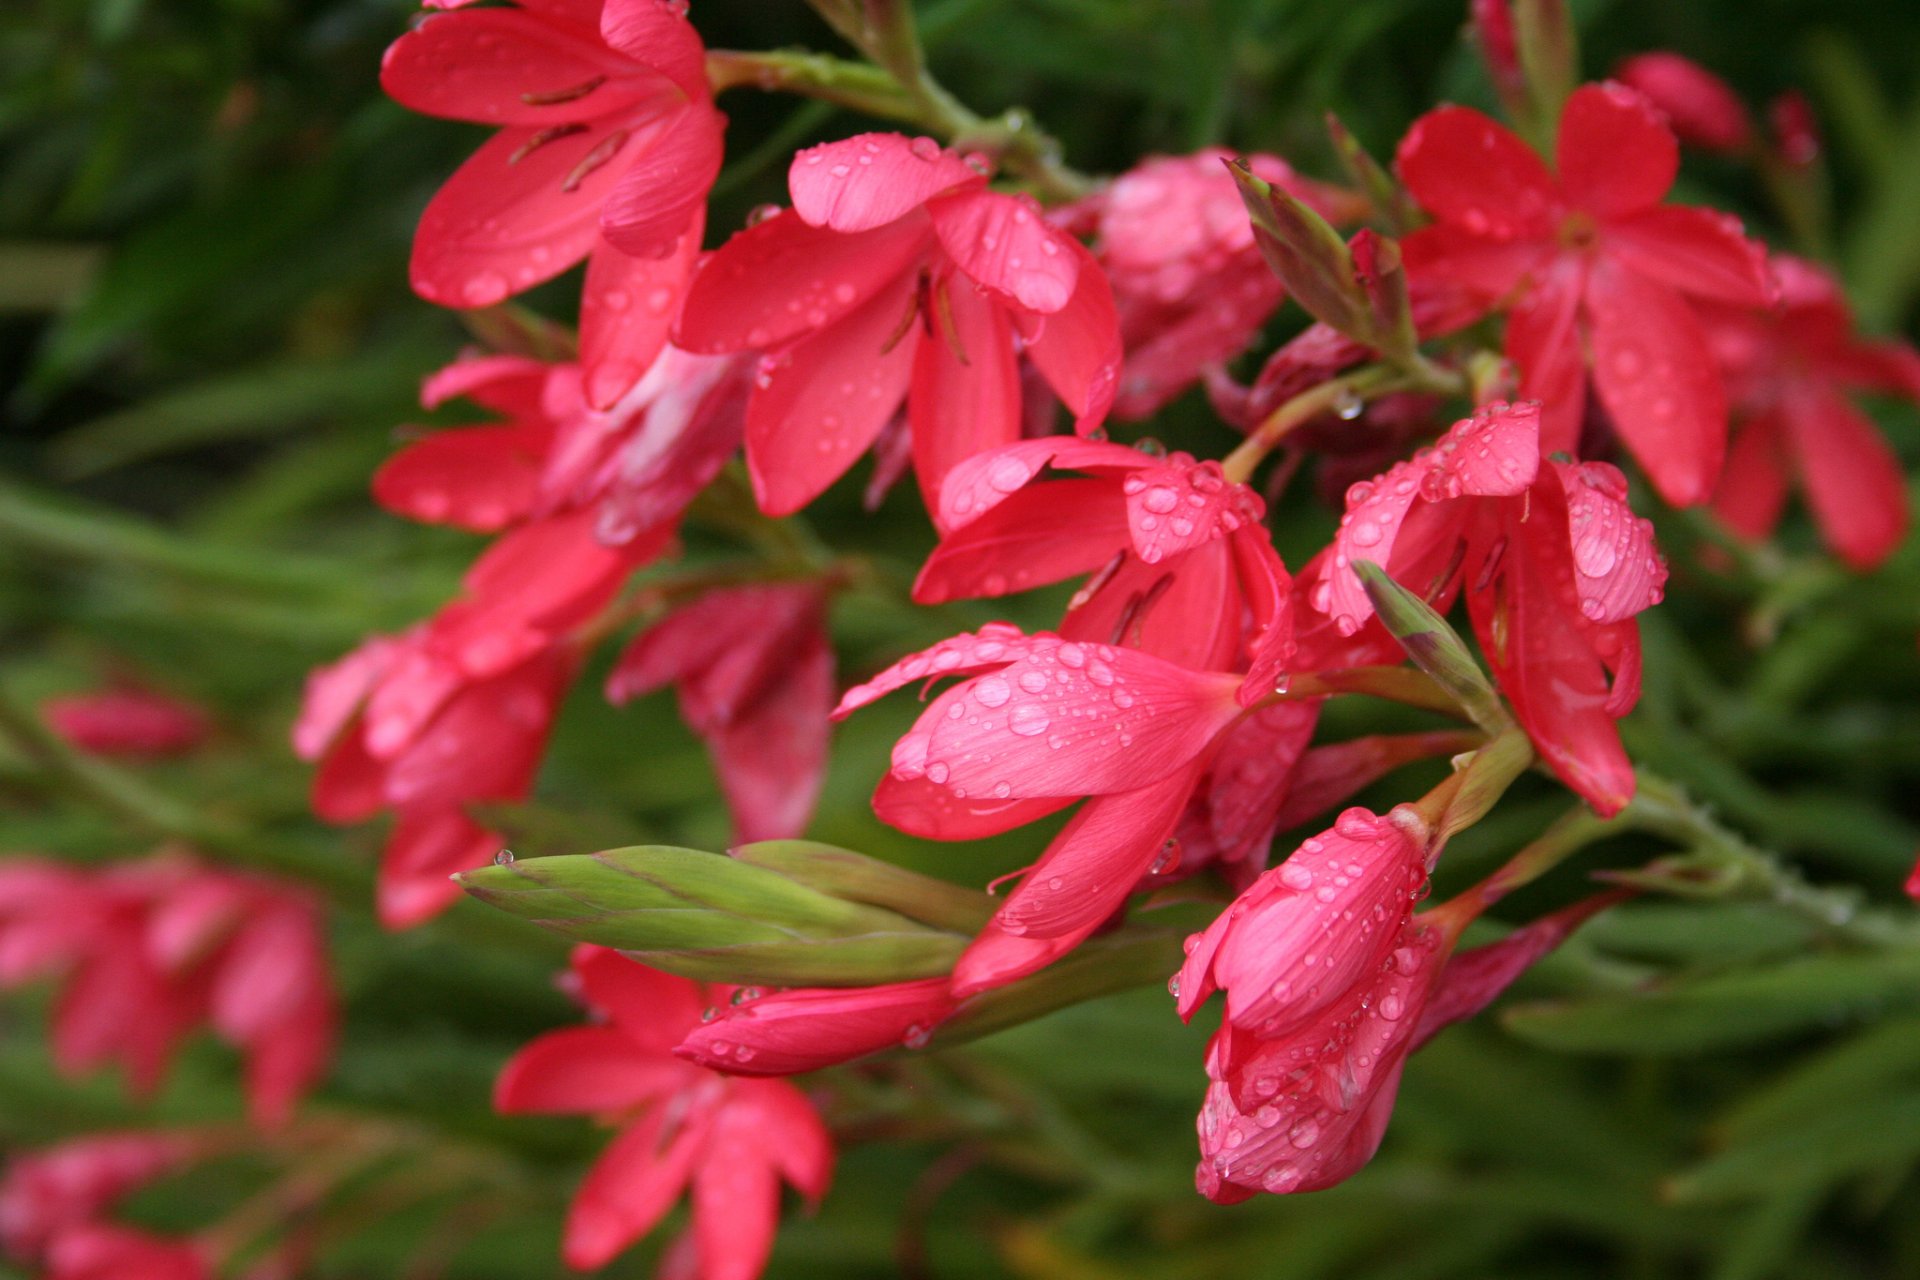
(709, 916)
(1748, 1007)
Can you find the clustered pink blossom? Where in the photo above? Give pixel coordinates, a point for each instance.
(908, 306)
(146, 951)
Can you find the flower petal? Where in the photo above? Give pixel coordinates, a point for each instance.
(1006, 245)
(995, 644)
(872, 179)
(1853, 482)
(817, 406)
(653, 1010)
(1082, 878)
(1753, 485)
(1043, 533)
(513, 215)
(656, 34)
(920, 808)
(1656, 376)
(965, 394)
(631, 1187)
(975, 484)
(509, 67)
(481, 479)
(627, 309)
(789, 1032)
(781, 278)
(1176, 504)
(583, 1071)
(1617, 571)
(1465, 168)
(1067, 719)
(1543, 341)
(1615, 153)
(1701, 252)
(663, 187)
(773, 760)
(1078, 348)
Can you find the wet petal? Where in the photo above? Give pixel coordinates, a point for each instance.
(1465, 168)
(627, 309)
(1078, 349)
(781, 278)
(1005, 244)
(1617, 571)
(872, 179)
(995, 644)
(1041, 534)
(1701, 252)
(1854, 483)
(817, 406)
(1615, 153)
(481, 479)
(664, 180)
(1656, 377)
(965, 393)
(485, 65)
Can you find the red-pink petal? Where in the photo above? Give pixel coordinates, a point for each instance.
(974, 485)
(781, 278)
(1543, 340)
(1701, 108)
(476, 478)
(500, 225)
(1078, 348)
(425, 849)
(1084, 877)
(867, 181)
(1253, 775)
(512, 386)
(994, 644)
(736, 1200)
(485, 64)
(1615, 153)
(1068, 719)
(1701, 252)
(773, 760)
(804, 1030)
(1474, 979)
(1853, 482)
(627, 309)
(1617, 571)
(665, 175)
(1753, 485)
(1044, 533)
(1656, 377)
(631, 1187)
(654, 33)
(1530, 630)
(1176, 504)
(1007, 247)
(583, 1070)
(920, 808)
(652, 1009)
(965, 393)
(818, 405)
(1464, 168)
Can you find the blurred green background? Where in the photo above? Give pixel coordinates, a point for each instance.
(206, 343)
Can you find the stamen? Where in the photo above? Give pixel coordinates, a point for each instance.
(558, 96)
(609, 147)
(542, 138)
(943, 313)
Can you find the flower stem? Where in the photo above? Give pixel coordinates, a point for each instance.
(1352, 388)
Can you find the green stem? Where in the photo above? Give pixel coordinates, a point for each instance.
(1349, 389)
(1404, 685)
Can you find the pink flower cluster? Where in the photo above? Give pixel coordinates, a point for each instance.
(907, 306)
(145, 951)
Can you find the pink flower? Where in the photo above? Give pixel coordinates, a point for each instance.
(99, 1251)
(1554, 565)
(1590, 261)
(636, 464)
(608, 143)
(1790, 370)
(127, 722)
(730, 1141)
(48, 1192)
(1189, 282)
(789, 1032)
(755, 676)
(897, 276)
(409, 724)
(1037, 723)
(1331, 982)
(1179, 554)
(146, 950)
(1701, 108)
